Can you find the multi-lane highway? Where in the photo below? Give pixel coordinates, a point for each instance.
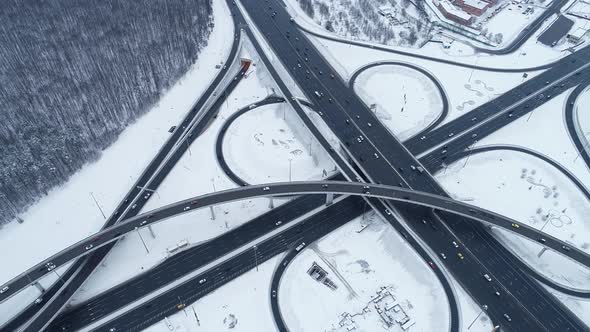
(376, 151)
(181, 264)
(169, 303)
(440, 203)
(408, 54)
(38, 315)
(551, 89)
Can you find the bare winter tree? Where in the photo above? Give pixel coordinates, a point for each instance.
(74, 74)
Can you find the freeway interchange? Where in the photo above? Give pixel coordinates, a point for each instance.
(371, 154)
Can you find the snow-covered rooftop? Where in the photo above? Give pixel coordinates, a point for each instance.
(476, 4)
(449, 8)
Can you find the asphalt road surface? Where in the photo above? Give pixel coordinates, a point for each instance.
(377, 152)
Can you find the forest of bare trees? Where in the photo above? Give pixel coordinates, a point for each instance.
(74, 74)
(360, 19)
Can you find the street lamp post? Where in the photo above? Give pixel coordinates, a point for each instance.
(583, 148)
(97, 205)
(483, 307)
(142, 241)
(256, 256)
(290, 169)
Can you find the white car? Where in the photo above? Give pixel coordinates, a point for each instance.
(88, 247)
(266, 188)
(278, 223)
(487, 277)
(202, 281)
(3, 289)
(186, 208)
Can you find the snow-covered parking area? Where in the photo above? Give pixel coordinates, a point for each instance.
(360, 264)
(405, 100)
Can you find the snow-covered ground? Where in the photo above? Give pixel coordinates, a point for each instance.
(360, 264)
(580, 307)
(547, 200)
(198, 172)
(582, 115)
(271, 136)
(522, 184)
(511, 20)
(242, 305)
(530, 54)
(373, 21)
(473, 318)
(466, 88)
(406, 101)
(69, 210)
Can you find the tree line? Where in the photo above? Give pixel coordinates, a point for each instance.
(74, 74)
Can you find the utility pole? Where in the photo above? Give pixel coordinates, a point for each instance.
(483, 307)
(473, 69)
(467, 159)
(59, 276)
(256, 257)
(196, 317)
(142, 241)
(97, 205)
(188, 146)
(583, 148)
(211, 206)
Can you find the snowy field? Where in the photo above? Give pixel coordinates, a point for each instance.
(547, 201)
(69, 211)
(198, 172)
(530, 54)
(137, 146)
(564, 215)
(406, 101)
(511, 20)
(359, 264)
(266, 144)
(466, 88)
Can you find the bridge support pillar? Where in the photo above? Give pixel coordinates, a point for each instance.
(39, 287)
(271, 203)
(329, 199)
(212, 212)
